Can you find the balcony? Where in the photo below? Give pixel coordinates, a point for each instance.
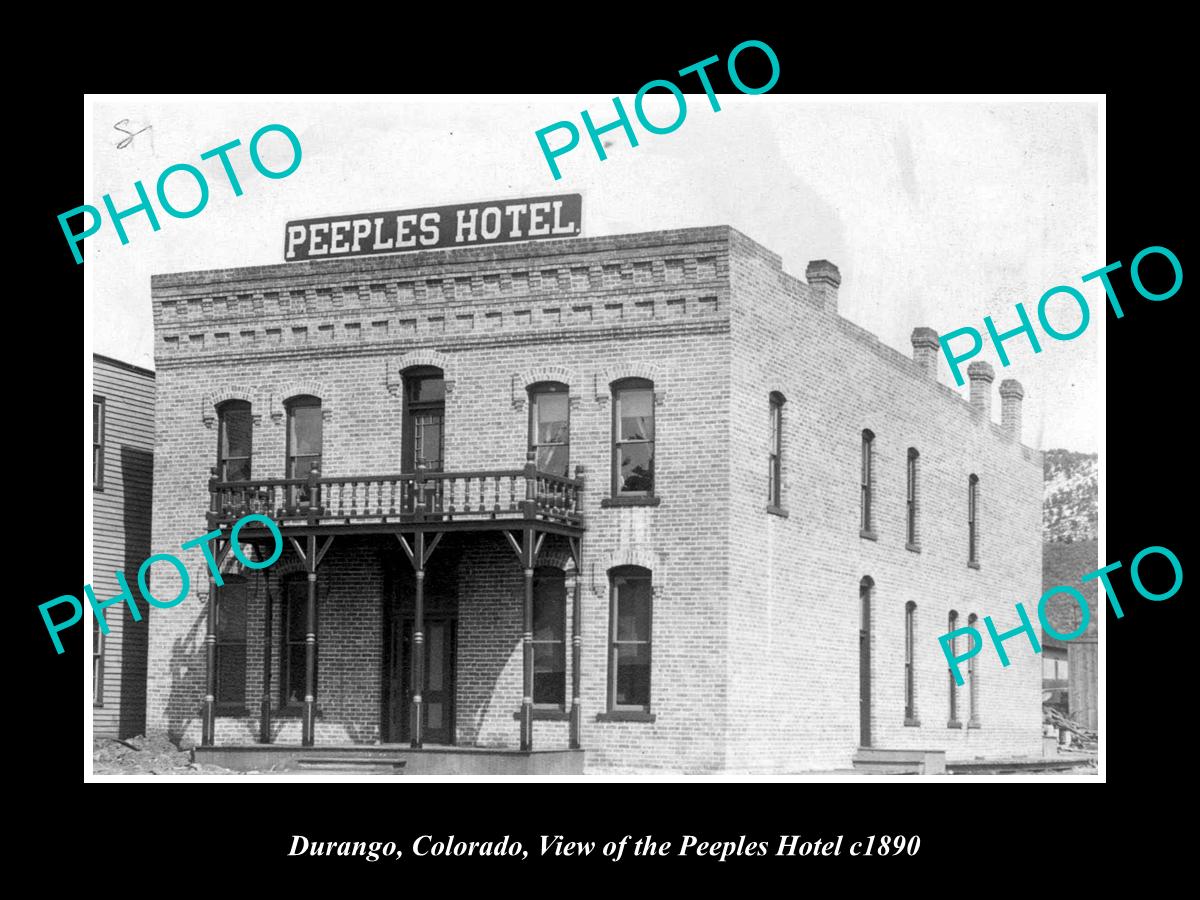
(433, 501)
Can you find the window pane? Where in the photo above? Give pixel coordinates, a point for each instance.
(302, 465)
(96, 407)
(95, 633)
(296, 611)
(428, 442)
(237, 469)
(633, 675)
(437, 646)
(637, 467)
(231, 614)
(427, 389)
(633, 609)
(295, 681)
(549, 674)
(231, 673)
(637, 415)
(551, 418)
(553, 459)
(235, 432)
(305, 422)
(549, 609)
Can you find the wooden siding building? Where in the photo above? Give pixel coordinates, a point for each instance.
(122, 476)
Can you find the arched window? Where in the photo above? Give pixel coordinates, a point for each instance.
(953, 623)
(629, 639)
(910, 680)
(303, 442)
(234, 440)
(549, 637)
(912, 497)
(633, 437)
(972, 682)
(424, 419)
(775, 451)
(231, 643)
(293, 662)
(972, 521)
(868, 449)
(550, 427)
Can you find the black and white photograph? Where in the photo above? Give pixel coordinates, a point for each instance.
(739, 435)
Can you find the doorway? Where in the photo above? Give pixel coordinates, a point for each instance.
(437, 708)
(864, 662)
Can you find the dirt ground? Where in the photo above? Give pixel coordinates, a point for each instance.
(153, 754)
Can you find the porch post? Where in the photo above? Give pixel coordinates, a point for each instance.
(264, 728)
(418, 654)
(208, 729)
(576, 654)
(310, 646)
(527, 647)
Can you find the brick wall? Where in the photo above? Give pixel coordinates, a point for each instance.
(794, 615)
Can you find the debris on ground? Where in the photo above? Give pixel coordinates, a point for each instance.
(1081, 738)
(152, 754)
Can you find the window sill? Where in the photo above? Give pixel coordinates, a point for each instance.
(295, 712)
(954, 723)
(912, 723)
(546, 715)
(974, 724)
(96, 705)
(915, 548)
(610, 502)
(972, 565)
(868, 534)
(777, 511)
(626, 715)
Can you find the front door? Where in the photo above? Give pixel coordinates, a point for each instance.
(437, 708)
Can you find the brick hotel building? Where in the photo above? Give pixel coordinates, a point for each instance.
(637, 502)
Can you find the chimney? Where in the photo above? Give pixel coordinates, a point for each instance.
(824, 278)
(1011, 394)
(982, 375)
(925, 350)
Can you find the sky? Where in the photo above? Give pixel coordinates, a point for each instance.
(936, 213)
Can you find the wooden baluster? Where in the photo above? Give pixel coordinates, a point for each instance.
(512, 493)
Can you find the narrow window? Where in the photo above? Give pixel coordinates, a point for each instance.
(910, 687)
(868, 444)
(633, 437)
(775, 452)
(293, 661)
(972, 683)
(549, 638)
(629, 659)
(303, 442)
(231, 644)
(972, 526)
(549, 427)
(912, 496)
(234, 439)
(953, 723)
(97, 662)
(424, 419)
(98, 443)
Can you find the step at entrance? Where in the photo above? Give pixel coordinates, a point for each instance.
(900, 762)
(352, 764)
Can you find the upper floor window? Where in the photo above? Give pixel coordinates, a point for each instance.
(868, 449)
(303, 440)
(910, 681)
(775, 451)
(629, 642)
(550, 427)
(972, 521)
(549, 637)
(234, 440)
(424, 419)
(912, 497)
(633, 437)
(98, 443)
(231, 644)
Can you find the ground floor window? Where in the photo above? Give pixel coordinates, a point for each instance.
(231, 645)
(293, 661)
(549, 637)
(629, 657)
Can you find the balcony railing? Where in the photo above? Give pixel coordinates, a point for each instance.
(413, 497)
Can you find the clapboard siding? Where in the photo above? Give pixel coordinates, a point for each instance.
(121, 538)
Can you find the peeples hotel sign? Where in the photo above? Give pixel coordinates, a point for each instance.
(434, 227)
